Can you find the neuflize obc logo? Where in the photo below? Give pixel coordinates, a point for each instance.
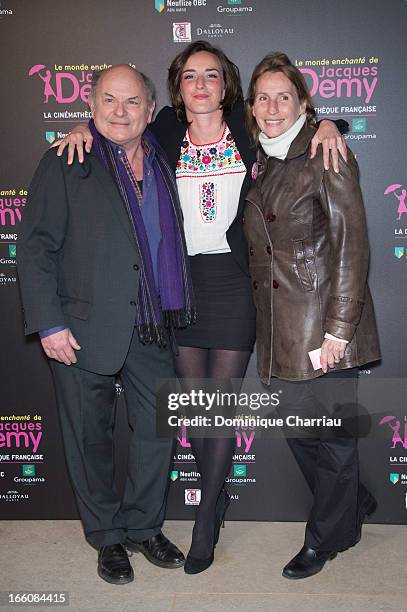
(399, 252)
(159, 5)
(394, 478)
(50, 137)
(12, 251)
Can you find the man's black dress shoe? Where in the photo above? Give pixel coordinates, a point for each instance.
(114, 565)
(307, 563)
(158, 550)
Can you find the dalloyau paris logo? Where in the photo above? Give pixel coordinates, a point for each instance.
(214, 30)
(13, 496)
(6, 280)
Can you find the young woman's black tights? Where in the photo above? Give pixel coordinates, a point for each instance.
(213, 455)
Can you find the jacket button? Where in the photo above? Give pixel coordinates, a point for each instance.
(275, 284)
(251, 251)
(25, 323)
(132, 303)
(136, 267)
(271, 217)
(255, 284)
(243, 219)
(268, 249)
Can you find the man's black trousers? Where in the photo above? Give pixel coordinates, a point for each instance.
(86, 407)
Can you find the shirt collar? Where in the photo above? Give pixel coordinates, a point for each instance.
(148, 148)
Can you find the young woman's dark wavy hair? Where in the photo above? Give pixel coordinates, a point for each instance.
(277, 62)
(231, 78)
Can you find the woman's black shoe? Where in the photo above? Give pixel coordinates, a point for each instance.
(195, 566)
(222, 505)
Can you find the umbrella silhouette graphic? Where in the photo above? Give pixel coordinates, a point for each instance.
(392, 188)
(35, 69)
(386, 419)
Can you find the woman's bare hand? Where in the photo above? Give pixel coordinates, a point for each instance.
(79, 139)
(332, 351)
(332, 141)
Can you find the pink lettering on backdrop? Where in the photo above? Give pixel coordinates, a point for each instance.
(329, 82)
(64, 87)
(244, 439)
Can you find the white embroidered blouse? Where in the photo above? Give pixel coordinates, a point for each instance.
(209, 180)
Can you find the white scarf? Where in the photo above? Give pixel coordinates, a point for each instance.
(278, 146)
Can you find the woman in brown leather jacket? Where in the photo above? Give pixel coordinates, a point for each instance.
(308, 252)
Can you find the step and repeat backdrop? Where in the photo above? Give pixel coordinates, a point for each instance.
(352, 55)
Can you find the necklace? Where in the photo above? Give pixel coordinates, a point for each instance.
(219, 137)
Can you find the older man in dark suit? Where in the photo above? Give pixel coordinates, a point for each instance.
(103, 271)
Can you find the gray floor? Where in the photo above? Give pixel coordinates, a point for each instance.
(245, 577)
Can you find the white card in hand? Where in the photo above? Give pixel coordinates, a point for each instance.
(315, 357)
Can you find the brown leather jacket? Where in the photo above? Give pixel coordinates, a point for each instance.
(308, 252)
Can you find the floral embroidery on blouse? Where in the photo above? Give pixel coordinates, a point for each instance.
(218, 158)
(209, 181)
(207, 202)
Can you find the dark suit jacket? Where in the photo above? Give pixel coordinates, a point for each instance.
(78, 262)
(170, 133)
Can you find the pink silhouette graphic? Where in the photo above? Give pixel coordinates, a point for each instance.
(395, 426)
(183, 440)
(401, 197)
(46, 78)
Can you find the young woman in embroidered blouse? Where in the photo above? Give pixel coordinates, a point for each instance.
(207, 144)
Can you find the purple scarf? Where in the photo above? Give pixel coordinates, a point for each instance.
(173, 306)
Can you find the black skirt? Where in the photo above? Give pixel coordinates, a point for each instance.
(226, 315)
